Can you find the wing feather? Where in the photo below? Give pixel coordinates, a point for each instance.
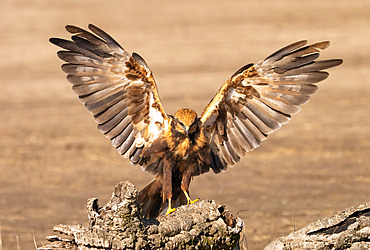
(126, 145)
(216, 163)
(117, 88)
(259, 98)
(250, 133)
(238, 141)
(115, 131)
(122, 136)
(267, 113)
(109, 109)
(71, 46)
(113, 122)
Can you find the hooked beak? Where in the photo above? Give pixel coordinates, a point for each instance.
(187, 130)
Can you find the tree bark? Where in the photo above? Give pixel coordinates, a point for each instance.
(202, 225)
(349, 229)
(119, 225)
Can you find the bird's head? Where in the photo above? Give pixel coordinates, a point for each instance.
(186, 121)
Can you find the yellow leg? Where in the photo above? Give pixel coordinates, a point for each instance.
(170, 209)
(188, 198)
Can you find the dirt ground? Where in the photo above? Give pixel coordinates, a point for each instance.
(53, 158)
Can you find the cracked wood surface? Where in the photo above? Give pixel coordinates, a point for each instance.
(202, 225)
(349, 229)
(120, 225)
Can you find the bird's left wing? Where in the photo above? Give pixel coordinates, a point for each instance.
(259, 98)
(117, 88)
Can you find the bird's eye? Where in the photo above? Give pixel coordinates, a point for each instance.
(180, 126)
(192, 128)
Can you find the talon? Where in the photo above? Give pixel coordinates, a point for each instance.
(188, 198)
(191, 202)
(170, 209)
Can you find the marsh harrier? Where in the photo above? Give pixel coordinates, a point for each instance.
(118, 88)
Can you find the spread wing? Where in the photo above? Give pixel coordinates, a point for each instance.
(117, 88)
(261, 97)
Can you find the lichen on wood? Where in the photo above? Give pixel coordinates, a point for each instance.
(120, 225)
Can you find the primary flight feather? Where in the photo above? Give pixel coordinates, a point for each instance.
(118, 88)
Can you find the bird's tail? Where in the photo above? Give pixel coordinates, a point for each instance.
(151, 201)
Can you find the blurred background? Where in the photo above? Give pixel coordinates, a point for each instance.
(52, 157)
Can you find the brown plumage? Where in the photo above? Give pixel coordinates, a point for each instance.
(120, 91)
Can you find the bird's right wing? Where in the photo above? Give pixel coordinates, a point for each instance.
(118, 89)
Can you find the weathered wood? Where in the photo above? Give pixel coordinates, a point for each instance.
(349, 229)
(119, 225)
(202, 225)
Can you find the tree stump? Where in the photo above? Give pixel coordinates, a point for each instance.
(349, 229)
(119, 225)
(202, 225)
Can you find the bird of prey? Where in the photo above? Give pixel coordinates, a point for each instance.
(119, 90)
